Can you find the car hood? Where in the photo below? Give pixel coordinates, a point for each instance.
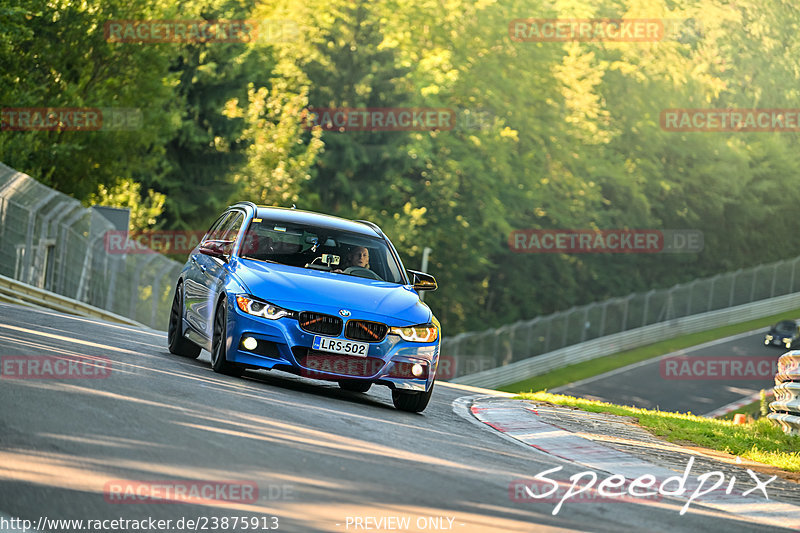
(301, 289)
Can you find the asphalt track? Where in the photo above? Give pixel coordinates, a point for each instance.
(648, 385)
(321, 458)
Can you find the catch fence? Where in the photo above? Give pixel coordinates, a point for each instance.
(49, 240)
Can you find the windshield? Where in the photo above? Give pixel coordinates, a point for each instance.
(320, 248)
(785, 327)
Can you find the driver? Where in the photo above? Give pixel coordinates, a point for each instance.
(358, 256)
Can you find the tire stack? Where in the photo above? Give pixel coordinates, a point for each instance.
(785, 410)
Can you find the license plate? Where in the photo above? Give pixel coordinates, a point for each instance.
(326, 344)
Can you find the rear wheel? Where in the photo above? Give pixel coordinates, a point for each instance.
(176, 342)
(354, 385)
(218, 349)
(413, 402)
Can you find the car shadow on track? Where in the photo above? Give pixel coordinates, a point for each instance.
(291, 382)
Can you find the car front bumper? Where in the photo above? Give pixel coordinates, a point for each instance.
(283, 345)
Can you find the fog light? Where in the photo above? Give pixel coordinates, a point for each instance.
(417, 370)
(249, 343)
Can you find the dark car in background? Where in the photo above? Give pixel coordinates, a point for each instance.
(785, 333)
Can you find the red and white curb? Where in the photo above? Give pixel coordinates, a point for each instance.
(519, 420)
(747, 400)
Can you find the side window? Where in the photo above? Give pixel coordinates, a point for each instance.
(214, 232)
(232, 226)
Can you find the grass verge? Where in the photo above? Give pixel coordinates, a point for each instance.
(588, 369)
(759, 441)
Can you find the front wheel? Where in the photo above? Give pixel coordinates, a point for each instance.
(176, 342)
(413, 402)
(219, 362)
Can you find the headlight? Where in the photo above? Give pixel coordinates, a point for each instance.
(262, 309)
(769, 337)
(422, 333)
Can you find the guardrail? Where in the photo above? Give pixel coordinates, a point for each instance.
(786, 407)
(13, 291)
(611, 344)
(475, 351)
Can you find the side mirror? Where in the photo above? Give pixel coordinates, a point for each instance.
(218, 249)
(423, 281)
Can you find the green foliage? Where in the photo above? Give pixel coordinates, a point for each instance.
(144, 210)
(759, 441)
(549, 134)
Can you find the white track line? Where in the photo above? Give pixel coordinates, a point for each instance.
(725, 409)
(652, 361)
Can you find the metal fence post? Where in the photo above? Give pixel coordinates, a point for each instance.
(32, 210)
(547, 334)
(735, 276)
(585, 321)
(603, 316)
(690, 299)
(774, 278)
(156, 290)
(646, 306)
(566, 326)
(625, 313)
(135, 285)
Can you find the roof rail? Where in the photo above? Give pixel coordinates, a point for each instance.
(245, 202)
(372, 225)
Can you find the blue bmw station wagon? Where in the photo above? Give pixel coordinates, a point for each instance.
(312, 294)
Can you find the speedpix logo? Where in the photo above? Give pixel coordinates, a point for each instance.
(617, 487)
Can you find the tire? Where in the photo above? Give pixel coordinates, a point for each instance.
(413, 402)
(354, 385)
(176, 342)
(219, 362)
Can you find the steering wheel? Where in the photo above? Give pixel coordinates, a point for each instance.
(362, 272)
